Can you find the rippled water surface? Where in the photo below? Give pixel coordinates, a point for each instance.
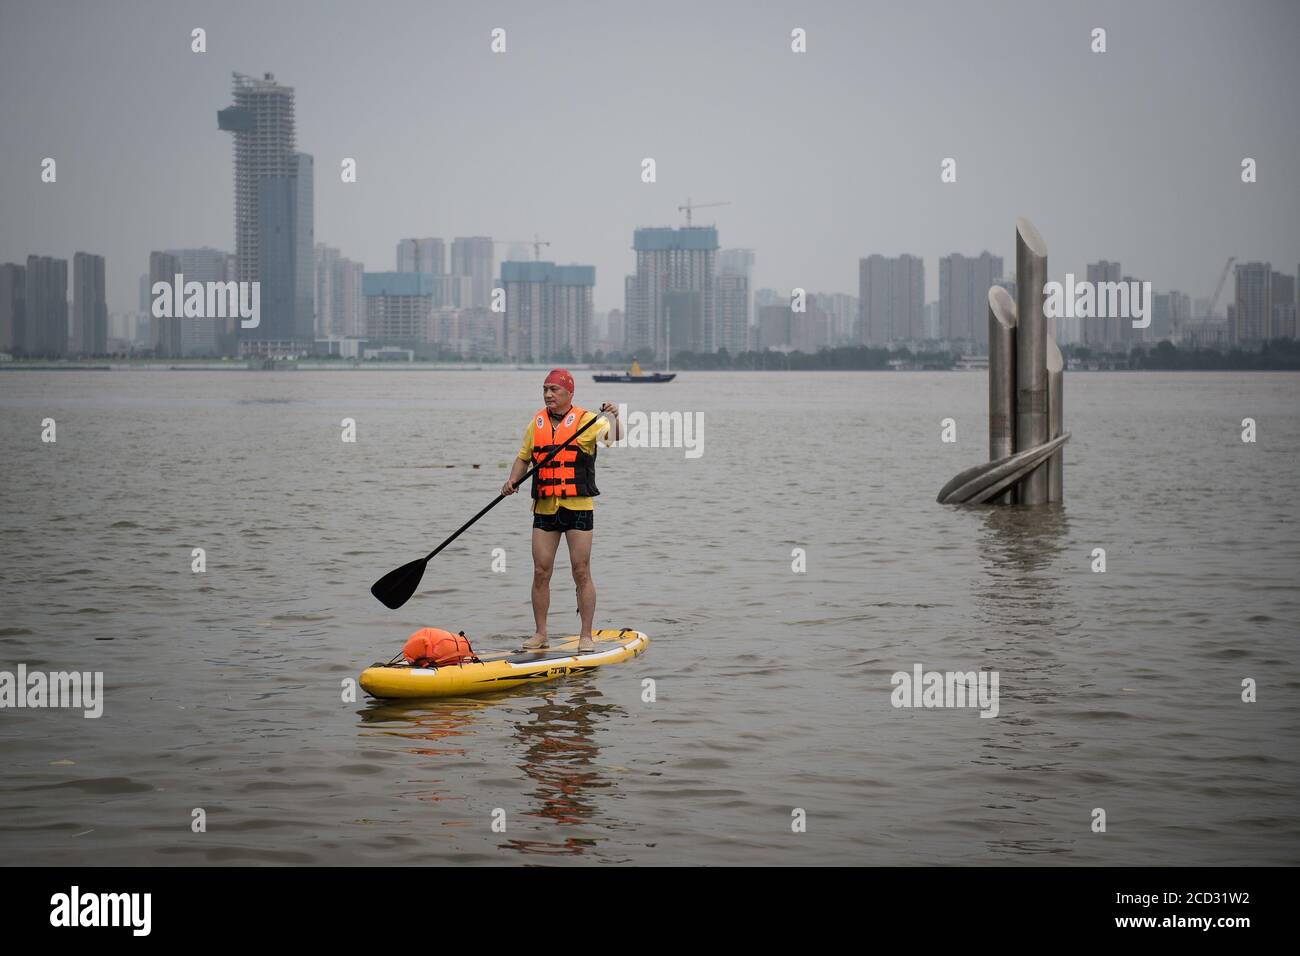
(1119, 691)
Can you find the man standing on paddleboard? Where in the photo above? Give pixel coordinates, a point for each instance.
(562, 497)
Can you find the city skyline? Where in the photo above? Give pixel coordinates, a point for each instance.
(547, 312)
(560, 159)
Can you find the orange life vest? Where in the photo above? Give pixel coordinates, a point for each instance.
(432, 646)
(571, 473)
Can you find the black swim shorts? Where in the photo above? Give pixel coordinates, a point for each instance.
(566, 520)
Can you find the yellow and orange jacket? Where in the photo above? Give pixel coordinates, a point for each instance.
(569, 480)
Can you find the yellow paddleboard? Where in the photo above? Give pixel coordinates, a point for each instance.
(496, 672)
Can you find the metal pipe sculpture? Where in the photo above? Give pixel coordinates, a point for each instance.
(1031, 356)
(985, 482)
(1002, 379)
(1026, 394)
(1055, 420)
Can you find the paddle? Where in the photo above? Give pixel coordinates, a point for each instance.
(396, 587)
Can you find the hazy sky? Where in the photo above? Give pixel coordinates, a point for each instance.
(826, 156)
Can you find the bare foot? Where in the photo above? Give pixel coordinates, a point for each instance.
(586, 644)
(536, 643)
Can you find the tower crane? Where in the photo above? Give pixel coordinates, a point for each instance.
(1218, 289)
(536, 242)
(702, 205)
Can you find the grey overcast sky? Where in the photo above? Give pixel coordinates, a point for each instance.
(1133, 154)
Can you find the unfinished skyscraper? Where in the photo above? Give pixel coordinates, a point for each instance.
(673, 289)
(273, 214)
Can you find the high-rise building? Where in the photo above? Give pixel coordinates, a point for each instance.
(1251, 319)
(164, 332)
(444, 331)
(262, 120)
(1161, 316)
(1099, 332)
(1170, 312)
(891, 296)
(207, 335)
(203, 264)
(775, 327)
(121, 331)
(144, 314)
(340, 308)
(46, 294)
(481, 331)
(89, 308)
(304, 241)
(1283, 305)
(809, 329)
(1128, 335)
(568, 331)
(614, 332)
(670, 298)
(475, 256)
(325, 261)
(422, 255)
(735, 262)
(766, 297)
(732, 307)
(273, 214)
(349, 299)
(1180, 312)
(964, 283)
(930, 321)
(13, 308)
(548, 311)
(841, 313)
(453, 292)
(399, 308)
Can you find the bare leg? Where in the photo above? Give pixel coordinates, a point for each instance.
(545, 544)
(580, 558)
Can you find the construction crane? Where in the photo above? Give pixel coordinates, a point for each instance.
(536, 242)
(1218, 289)
(702, 205)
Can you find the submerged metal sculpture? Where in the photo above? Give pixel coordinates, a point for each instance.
(1026, 394)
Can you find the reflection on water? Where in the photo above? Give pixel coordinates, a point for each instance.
(557, 751)
(1026, 606)
(554, 738)
(446, 727)
(1020, 547)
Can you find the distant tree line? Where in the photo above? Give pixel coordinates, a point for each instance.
(840, 358)
(1276, 355)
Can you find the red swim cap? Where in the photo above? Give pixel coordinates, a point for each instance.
(562, 378)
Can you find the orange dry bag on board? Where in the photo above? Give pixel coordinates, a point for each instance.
(434, 647)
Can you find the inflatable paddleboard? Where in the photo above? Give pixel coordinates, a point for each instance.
(496, 672)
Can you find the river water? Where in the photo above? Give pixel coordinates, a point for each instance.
(770, 738)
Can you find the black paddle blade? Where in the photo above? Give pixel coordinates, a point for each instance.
(396, 587)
